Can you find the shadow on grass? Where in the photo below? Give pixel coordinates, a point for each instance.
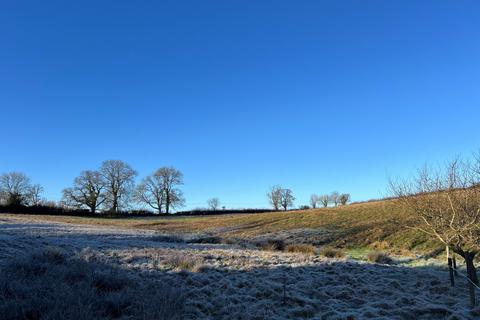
(51, 284)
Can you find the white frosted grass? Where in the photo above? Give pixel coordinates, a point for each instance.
(231, 282)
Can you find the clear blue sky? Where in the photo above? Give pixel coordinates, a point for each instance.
(239, 95)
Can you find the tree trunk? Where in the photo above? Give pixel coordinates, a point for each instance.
(471, 270)
(468, 256)
(115, 204)
(167, 204)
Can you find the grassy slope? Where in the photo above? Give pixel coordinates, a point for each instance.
(376, 224)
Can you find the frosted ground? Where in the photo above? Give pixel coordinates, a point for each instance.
(236, 282)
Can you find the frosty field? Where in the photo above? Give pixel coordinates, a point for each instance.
(231, 281)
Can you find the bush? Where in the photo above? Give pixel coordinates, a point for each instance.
(331, 252)
(49, 284)
(301, 248)
(379, 257)
(272, 245)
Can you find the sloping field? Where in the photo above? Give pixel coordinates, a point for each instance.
(52, 270)
(379, 224)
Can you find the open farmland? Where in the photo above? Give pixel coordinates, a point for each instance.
(204, 281)
(211, 268)
(373, 224)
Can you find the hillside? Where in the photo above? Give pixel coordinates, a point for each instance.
(379, 224)
(55, 270)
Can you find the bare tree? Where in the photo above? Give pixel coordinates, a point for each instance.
(275, 196)
(213, 203)
(88, 191)
(325, 200)
(334, 198)
(170, 178)
(314, 199)
(119, 182)
(344, 198)
(447, 204)
(151, 192)
(14, 188)
(34, 195)
(287, 199)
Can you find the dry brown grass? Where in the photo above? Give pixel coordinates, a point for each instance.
(379, 257)
(356, 225)
(330, 252)
(301, 248)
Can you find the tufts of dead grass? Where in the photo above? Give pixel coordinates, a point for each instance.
(301, 248)
(379, 257)
(184, 263)
(331, 252)
(271, 245)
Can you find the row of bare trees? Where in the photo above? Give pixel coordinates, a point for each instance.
(112, 187)
(280, 197)
(109, 188)
(161, 190)
(334, 198)
(16, 189)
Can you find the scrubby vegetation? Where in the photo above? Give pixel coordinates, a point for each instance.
(331, 252)
(50, 284)
(301, 248)
(379, 257)
(272, 245)
(184, 263)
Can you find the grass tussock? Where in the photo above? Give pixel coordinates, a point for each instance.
(49, 284)
(272, 245)
(301, 248)
(331, 252)
(379, 257)
(184, 263)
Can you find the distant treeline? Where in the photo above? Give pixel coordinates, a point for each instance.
(63, 211)
(111, 190)
(207, 212)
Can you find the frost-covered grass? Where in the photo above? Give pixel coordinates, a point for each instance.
(122, 272)
(51, 284)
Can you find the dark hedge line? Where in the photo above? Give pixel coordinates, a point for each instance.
(50, 210)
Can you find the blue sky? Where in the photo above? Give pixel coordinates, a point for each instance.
(239, 95)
